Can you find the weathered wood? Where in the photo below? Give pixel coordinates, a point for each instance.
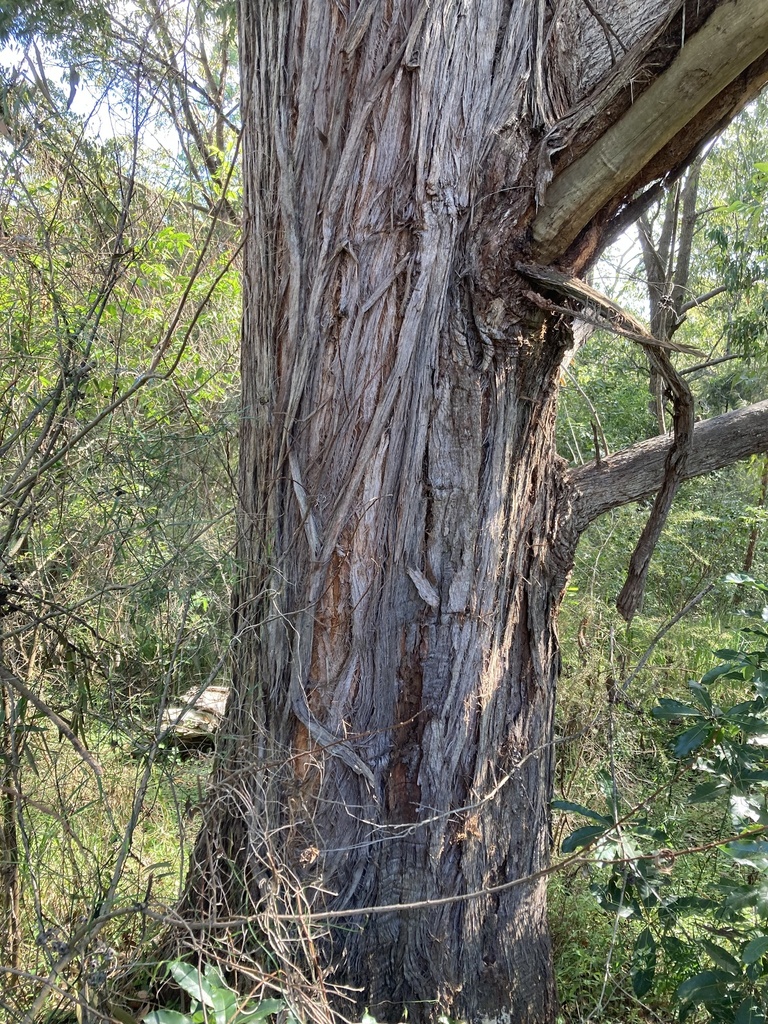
(596, 308)
(733, 37)
(198, 715)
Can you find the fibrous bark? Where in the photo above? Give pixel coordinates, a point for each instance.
(405, 525)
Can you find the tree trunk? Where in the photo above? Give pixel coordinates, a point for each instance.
(10, 921)
(405, 526)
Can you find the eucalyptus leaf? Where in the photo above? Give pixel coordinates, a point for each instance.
(755, 949)
(692, 739)
(711, 790)
(214, 975)
(582, 837)
(587, 812)
(752, 854)
(224, 1003)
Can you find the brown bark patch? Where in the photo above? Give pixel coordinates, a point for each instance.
(403, 789)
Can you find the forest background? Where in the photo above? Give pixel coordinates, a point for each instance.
(120, 311)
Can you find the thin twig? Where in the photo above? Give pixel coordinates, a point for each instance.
(662, 633)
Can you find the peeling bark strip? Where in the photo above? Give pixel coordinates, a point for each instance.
(667, 269)
(631, 594)
(405, 523)
(596, 308)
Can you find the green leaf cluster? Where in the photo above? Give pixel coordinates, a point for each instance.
(214, 1001)
(714, 932)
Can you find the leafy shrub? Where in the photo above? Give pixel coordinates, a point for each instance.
(708, 928)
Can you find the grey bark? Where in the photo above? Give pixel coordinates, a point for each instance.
(405, 525)
(637, 472)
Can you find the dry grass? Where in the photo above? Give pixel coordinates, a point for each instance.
(99, 864)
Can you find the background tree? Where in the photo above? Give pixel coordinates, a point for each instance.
(406, 530)
(185, 56)
(607, 742)
(712, 298)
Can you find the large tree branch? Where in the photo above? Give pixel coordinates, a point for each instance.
(638, 472)
(731, 39)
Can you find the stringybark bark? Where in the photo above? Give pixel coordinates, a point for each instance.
(405, 524)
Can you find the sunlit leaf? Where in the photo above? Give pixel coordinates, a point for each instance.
(192, 981)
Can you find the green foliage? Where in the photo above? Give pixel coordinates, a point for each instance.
(119, 295)
(58, 21)
(88, 304)
(213, 1001)
(711, 934)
